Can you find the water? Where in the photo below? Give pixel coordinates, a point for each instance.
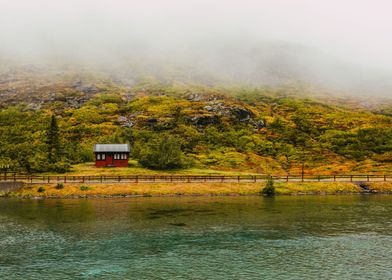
(332, 237)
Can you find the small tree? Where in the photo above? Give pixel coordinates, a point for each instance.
(269, 189)
(285, 157)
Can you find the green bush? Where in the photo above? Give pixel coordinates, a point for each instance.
(161, 154)
(84, 188)
(41, 189)
(60, 186)
(269, 189)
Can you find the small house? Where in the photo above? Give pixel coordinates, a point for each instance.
(111, 155)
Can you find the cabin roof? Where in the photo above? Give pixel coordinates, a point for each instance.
(115, 148)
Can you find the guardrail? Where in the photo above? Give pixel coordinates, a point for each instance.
(189, 178)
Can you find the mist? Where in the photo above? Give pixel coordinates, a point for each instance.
(337, 44)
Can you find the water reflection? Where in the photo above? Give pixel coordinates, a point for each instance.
(196, 237)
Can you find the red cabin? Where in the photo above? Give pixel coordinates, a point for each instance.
(111, 155)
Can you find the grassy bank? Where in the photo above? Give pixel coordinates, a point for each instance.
(172, 189)
(86, 169)
(89, 169)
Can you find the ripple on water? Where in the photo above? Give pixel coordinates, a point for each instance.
(236, 240)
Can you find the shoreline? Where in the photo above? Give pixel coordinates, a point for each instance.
(187, 195)
(86, 191)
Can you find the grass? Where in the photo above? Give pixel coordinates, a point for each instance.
(381, 187)
(316, 188)
(170, 189)
(86, 169)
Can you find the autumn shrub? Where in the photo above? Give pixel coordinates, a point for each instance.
(84, 188)
(41, 189)
(60, 186)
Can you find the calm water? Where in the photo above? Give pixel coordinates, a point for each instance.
(334, 237)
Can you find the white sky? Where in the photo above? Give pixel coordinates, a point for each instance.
(355, 30)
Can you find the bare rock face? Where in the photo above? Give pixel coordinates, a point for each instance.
(125, 121)
(242, 114)
(195, 97)
(204, 120)
(258, 123)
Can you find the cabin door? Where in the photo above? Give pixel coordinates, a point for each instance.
(109, 159)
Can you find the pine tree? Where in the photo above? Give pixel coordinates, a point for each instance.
(52, 141)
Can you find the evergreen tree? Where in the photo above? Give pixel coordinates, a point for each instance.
(53, 141)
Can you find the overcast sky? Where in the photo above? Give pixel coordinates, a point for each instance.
(358, 31)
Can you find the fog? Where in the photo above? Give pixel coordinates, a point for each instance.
(344, 44)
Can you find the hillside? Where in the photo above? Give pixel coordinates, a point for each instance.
(236, 128)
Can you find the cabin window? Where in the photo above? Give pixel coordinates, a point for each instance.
(123, 156)
(101, 156)
(116, 156)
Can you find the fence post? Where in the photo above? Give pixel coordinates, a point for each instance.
(368, 178)
(48, 179)
(136, 179)
(83, 179)
(238, 178)
(334, 178)
(385, 178)
(65, 179)
(351, 178)
(14, 177)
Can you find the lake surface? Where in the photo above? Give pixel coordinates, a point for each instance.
(309, 237)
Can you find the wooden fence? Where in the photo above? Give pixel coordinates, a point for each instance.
(40, 179)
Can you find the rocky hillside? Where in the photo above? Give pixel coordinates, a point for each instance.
(230, 128)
